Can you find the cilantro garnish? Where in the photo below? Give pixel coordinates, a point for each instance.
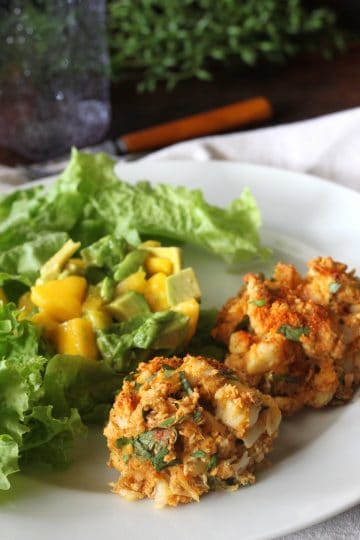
(258, 303)
(197, 416)
(151, 445)
(168, 370)
(198, 454)
(213, 461)
(185, 383)
(293, 333)
(123, 441)
(168, 422)
(334, 287)
(229, 374)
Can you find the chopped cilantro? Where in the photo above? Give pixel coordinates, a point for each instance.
(229, 374)
(168, 370)
(168, 422)
(159, 463)
(213, 461)
(293, 333)
(123, 441)
(185, 383)
(334, 287)
(137, 386)
(126, 459)
(140, 450)
(152, 445)
(197, 416)
(258, 303)
(198, 454)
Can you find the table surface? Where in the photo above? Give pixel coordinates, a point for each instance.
(305, 88)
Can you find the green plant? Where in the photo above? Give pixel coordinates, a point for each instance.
(170, 40)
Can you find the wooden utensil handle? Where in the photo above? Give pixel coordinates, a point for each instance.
(222, 119)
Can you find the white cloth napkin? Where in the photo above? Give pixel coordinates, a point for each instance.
(329, 147)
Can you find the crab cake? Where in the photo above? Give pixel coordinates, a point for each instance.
(182, 427)
(296, 338)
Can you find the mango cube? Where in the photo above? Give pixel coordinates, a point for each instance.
(77, 337)
(191, 309)
(61, 298)
(135, 282)
(159, 264)
(155, 292)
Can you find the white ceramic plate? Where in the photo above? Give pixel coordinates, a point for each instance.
(315, 471)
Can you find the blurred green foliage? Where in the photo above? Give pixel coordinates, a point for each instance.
(171, 40)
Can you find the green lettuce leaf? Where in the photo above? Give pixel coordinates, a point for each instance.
(125, 344)
(26, 259)
(89, 202)
(74, 381)
(28, 428)
(9, 454)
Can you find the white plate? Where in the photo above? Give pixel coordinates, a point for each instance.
(315, 471)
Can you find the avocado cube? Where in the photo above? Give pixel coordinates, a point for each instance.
(128, 305)
(182, 286)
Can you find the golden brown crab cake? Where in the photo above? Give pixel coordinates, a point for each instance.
(296, 338)
(182, 427)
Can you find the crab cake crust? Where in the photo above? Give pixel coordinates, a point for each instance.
(296, 338)
(182, 427)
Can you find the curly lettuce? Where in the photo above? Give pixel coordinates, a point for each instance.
(89, 201)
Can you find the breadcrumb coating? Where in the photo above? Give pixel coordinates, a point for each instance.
(295, 338)
(182, 427)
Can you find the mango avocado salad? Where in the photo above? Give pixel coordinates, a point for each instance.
(88, 290)
(113, 302)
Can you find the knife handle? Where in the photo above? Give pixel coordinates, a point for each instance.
(217, 120)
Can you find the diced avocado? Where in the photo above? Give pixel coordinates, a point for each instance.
(182, 286)
(52, 268)
(173, 334)
(174, 254)
(132, 262)
(128, 305)
(107, 289)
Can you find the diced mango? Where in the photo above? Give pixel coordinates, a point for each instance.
(135, 282)
(94, 310)
(149, 243)
(159, 264)
(48, 325)
(60, 298)
(155, 292)
(3, 296)
(77, 337)
(25, 305)
(191, 309)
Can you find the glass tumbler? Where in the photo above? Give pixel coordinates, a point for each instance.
(54, 88)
